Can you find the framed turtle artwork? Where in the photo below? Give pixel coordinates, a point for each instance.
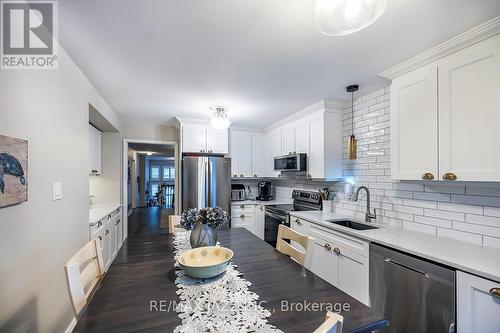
(13, 171)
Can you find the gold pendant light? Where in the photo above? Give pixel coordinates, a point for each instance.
(353, 143)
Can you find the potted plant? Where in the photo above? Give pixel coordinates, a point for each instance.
(204, 224)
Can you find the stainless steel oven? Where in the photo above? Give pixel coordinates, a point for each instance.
(291, 162)
(273, 218)
(280, 214)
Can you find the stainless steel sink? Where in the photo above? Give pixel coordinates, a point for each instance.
(352, 224)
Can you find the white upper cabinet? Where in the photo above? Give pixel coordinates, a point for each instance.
(201, 138)
(414, 122)
(469, 113)
(478, 305)
(318, 134)
(445, 116)
(194, 138)
(246, 154)
(95, 150)
(217, 141)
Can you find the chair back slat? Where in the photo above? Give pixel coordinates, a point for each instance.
(84, 271)
(285, 233)
(332, 324)
(174, 223)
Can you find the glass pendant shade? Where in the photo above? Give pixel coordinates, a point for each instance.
(220, 119)
(343, 17)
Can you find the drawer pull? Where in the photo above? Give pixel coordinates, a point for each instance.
(428, 176)
(242, 206)
(100, 238)
(337, 251)
(298, 222)
(449, 176)
(328, 247)
(107, 232)
(495, 292)
(242, 216)
(117, 222)
(99, 224)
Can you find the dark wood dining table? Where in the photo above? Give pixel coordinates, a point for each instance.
(143, 273)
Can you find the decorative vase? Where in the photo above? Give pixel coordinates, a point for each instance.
(203, 235)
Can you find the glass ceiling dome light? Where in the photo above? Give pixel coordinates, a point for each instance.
(220, 119)
(343, 17)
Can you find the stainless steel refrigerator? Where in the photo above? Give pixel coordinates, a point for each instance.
(206, 182)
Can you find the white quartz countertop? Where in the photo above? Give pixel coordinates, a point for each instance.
(98, 212)
(471, 258)
(258, 202)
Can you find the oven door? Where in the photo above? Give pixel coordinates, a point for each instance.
(271, 224)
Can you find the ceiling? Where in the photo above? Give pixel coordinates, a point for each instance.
(263, 59)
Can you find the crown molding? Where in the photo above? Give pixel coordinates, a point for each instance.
(325, 105)
(481, 32)
(246, 129)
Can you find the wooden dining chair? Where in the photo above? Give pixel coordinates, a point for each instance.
(174, 223)
(84, 272)
(332, 324)
(285, 233)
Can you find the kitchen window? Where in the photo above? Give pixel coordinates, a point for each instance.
(168, 172)
(155, 172)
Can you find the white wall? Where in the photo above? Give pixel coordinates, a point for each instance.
(50, 109)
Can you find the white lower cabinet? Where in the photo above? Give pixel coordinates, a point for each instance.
(301, 226)
(478, 309)
(109, 231)
(260, 212)
(339, 259)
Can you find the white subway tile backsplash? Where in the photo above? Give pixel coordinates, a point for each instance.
(460, 208)
(419, 203)
(433, 221)
(420, 227)
(484, 220)
(460, 235)
(432, 196)
(492, 211)
(445, 189)
(476, 200)
(408, 209)
(491, 242)
(457, 216)
(476, 228)
(482, 190)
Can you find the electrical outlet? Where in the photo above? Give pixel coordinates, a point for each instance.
(57, 191)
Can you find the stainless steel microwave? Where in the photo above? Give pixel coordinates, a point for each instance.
(291, 162)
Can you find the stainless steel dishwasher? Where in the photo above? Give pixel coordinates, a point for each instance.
(415, 295)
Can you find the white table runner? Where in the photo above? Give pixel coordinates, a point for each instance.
(221, 304)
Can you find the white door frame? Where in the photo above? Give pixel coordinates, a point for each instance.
(125, 176)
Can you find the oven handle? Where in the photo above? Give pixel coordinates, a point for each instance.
(276, 216)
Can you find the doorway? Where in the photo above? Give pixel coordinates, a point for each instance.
(150, 185)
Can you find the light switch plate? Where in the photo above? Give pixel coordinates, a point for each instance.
(57, 192)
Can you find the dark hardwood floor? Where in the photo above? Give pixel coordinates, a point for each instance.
(146, 221)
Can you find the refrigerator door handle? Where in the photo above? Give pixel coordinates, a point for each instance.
(208, 173)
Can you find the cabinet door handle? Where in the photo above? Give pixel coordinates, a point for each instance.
(242, 216)
(294, 152)
(298, 222)
(428, 176)
(309, 176)
(241, 175)
(262, 208)
(117, 222)
(107, 232)
(328, 247)
(255, 175)
(235, 175)
(337, 251)
(210, 151)
(495, 292)
(99, 224)
(100, 238)
(449, 176)
(242, 206)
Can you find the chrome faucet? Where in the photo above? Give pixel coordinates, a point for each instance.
(368, 215)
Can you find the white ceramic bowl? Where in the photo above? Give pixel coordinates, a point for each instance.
(205, 262)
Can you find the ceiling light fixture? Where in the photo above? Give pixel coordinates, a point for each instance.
(220, 119)
(343, 17)
(149, 153)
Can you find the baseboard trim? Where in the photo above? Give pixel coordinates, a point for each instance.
(71, 326)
